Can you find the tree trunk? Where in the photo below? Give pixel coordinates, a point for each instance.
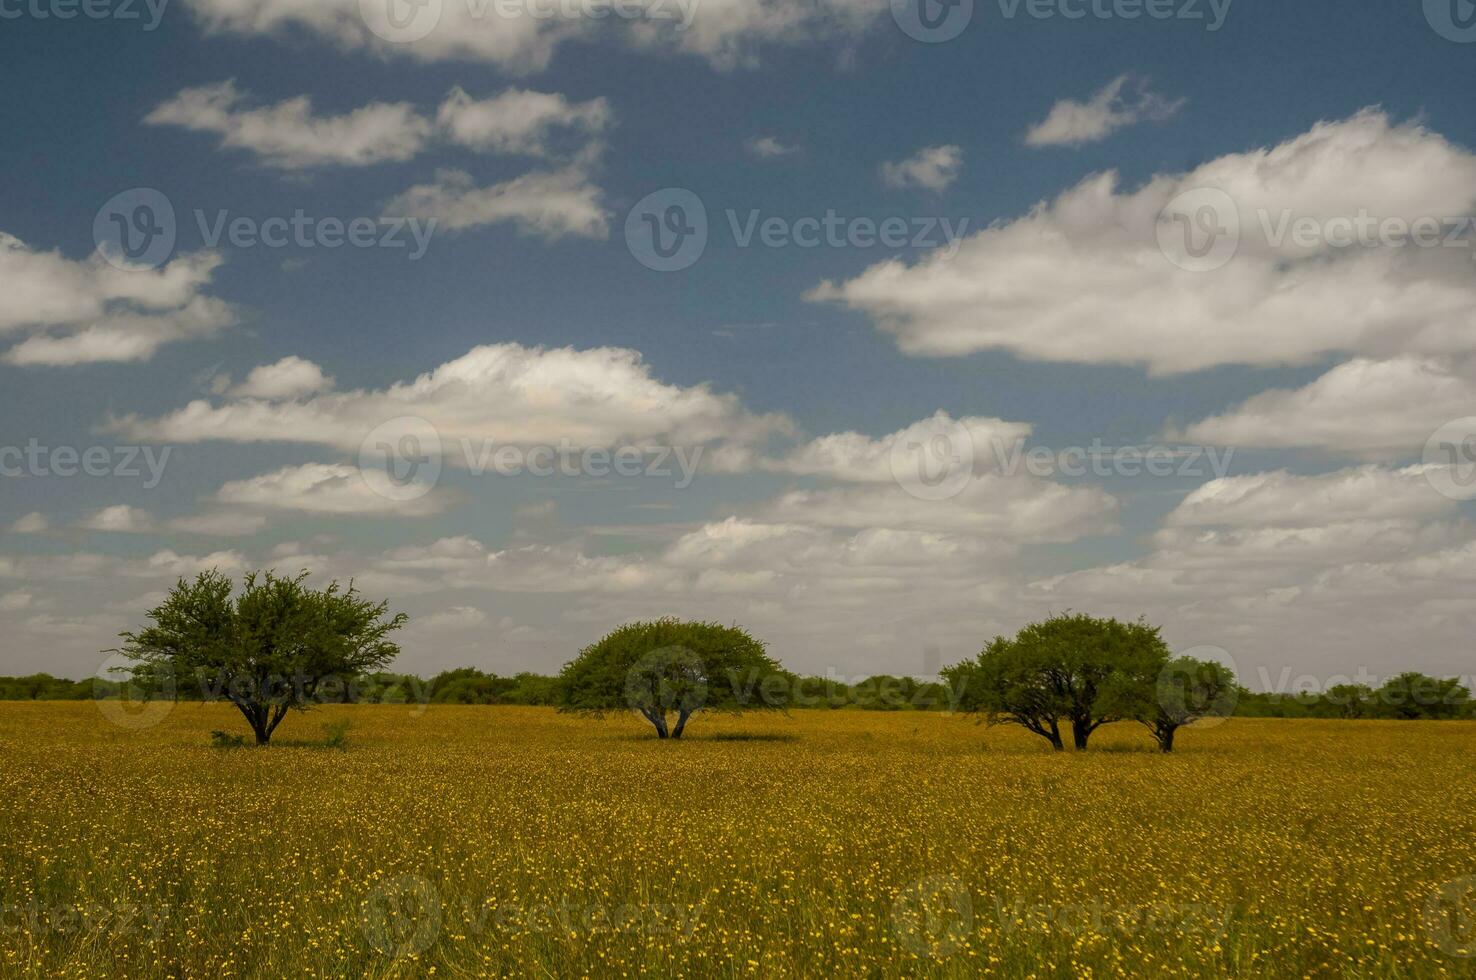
(1056, 742)
(1080, 731)
(681, 723)
(255, 716)
(1166, 739)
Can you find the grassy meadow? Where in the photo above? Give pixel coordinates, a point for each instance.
(477, 841)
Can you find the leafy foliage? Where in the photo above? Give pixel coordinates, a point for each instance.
(1183, 691)
(667, 667)
(1069, 670)
(276, 646)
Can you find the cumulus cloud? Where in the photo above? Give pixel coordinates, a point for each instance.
(728, 33)
(496, 394)
(768, 148)
(15, 601)
(1072, 123)
(455, 619)
(290, 136)
(220, 523)
(1351, 567)
(934, 168)
(1284, 499)
(1364, 408)
(522, 121)
(549, 205)
(856, 458)
(120, 518)
(82, 312)
(324, 488)
(1009, 508)
(1087, 278)
(32, 523)
(291, 377)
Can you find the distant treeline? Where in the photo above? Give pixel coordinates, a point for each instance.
(1406, 696)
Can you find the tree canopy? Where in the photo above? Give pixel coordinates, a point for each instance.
(665, 667)
(1068, 671)
(276, 646)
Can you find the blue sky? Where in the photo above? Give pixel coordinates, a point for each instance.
(1319, 549)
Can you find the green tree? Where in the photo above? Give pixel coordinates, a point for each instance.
(275, 647)
(1351, 700)
(1181, 692)
(1058, 673)
(665, 668)
(1414, 695)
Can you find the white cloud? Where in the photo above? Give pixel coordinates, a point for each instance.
(1363, 408)
(728, 33)
(15, 601)
(549, 205)
(768, 148)
(934, 168)
(1283, 499)
(453, 620)
(856, 458)
(1326, 572)
(123, 337)
(220, 523)
(1072, 123)
(168, 564)
(506, 393)
(92, 311)
(288, 135)
(291, 377)
(32, 523)
(1082, 279)
(521, 121)
(323, 488)
(120, 518)
(1009, 508)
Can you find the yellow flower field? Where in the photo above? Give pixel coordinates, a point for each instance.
(471, 841)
